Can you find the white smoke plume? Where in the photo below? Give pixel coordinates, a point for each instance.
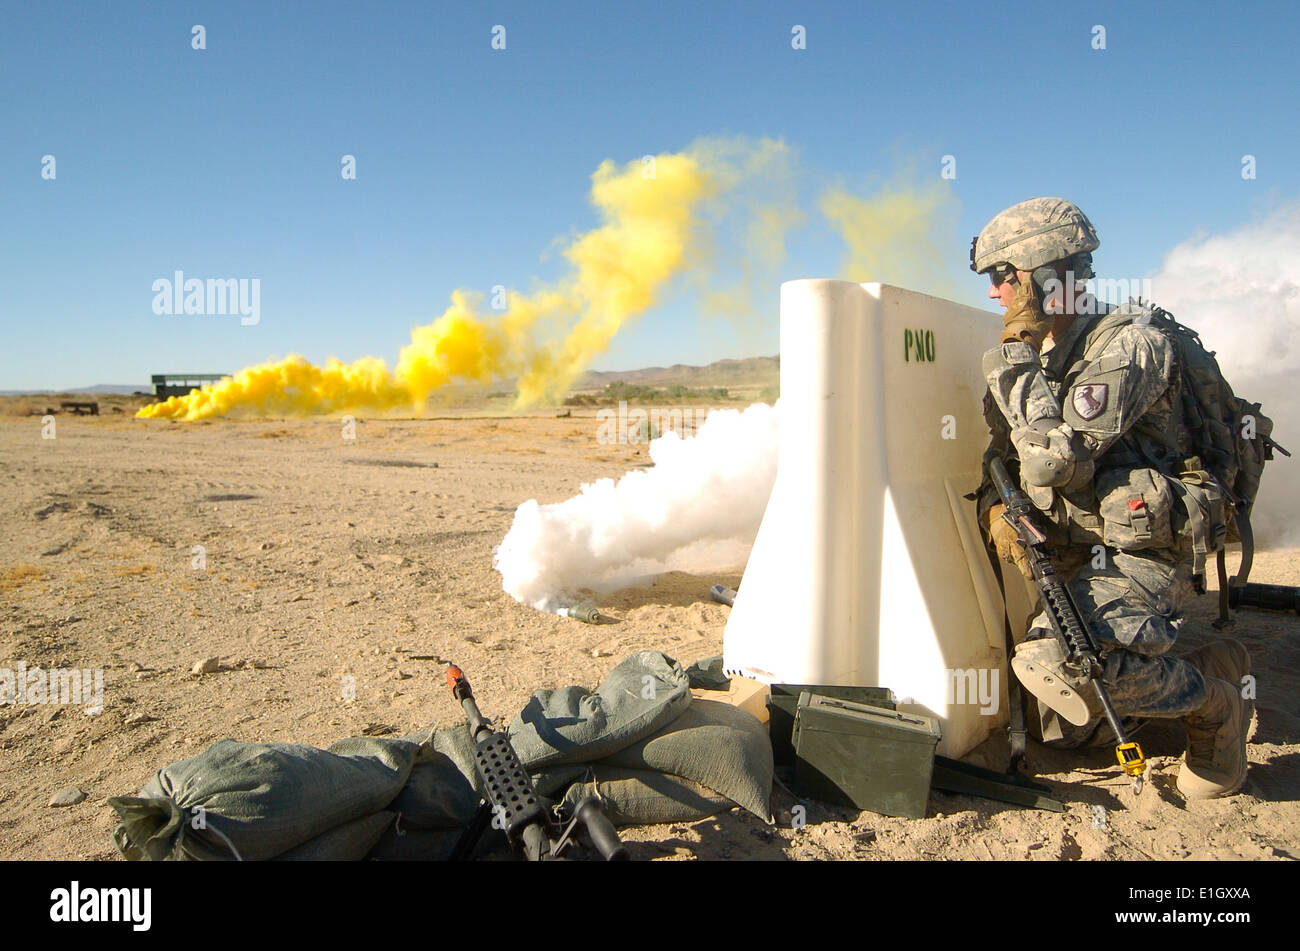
(697, 510)
(1241, 292)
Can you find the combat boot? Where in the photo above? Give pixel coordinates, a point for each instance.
(1215, 762)
(1224, 659)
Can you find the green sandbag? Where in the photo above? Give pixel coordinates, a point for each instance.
(442, 789)
(350, 842)
(643, 693)
(259, 800)
(398, 844)
(646, 797)
(707, 674)
(716, 745)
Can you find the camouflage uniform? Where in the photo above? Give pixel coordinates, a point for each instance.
(1085, 419)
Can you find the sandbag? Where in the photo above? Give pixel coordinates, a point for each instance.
(720, 747)
(645, 797)
(637, 740)
(708, 674)
(643, 693)
(259, 800)
(442, 790)
(349, 842)
(398, 844)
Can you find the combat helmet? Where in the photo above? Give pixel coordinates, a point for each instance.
(1036, 232)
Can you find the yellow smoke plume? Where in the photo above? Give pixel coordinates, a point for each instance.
(650, 218)
(728, 200)
(902, 234)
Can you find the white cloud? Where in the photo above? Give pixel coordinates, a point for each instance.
(1241, 292)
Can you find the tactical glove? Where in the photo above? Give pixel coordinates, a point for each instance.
(1025, 320)
(1007, 540)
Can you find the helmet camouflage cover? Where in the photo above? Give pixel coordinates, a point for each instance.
(1033, 233)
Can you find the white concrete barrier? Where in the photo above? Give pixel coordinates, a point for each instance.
(869, 568)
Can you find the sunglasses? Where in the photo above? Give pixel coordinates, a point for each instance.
(999, 276)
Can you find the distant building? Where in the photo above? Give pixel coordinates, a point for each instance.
(179, 384)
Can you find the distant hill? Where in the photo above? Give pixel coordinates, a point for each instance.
(752, 371)
(99, 389)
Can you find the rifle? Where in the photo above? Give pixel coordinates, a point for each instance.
(511, 802)
(1081, 660)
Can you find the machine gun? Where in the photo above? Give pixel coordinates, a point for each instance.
(1081, 660)
(511, 803)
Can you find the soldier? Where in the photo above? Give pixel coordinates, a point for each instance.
(1086, 399)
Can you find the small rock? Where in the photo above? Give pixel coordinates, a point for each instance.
(267, 546)
(401, 675)
(378, 729)
(53, 716)
(67, 796)
(139, 719)
(767, 835)
(209, 666)
(255, 664)
(865, 837)
(134, 668)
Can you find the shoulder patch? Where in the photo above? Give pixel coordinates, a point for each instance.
(1089, 399)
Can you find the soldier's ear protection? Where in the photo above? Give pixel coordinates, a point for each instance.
(1040, 278)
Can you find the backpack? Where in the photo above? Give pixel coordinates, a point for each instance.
(1230, 441)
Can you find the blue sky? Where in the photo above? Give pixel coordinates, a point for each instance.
(471, 162)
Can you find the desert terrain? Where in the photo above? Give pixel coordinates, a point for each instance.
(323, 557)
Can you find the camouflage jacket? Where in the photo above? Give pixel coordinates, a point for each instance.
(1089, 421)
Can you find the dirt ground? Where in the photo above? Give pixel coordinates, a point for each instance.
(323, 557)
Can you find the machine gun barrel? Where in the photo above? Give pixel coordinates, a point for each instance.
(511, 802)
(1274, 597)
